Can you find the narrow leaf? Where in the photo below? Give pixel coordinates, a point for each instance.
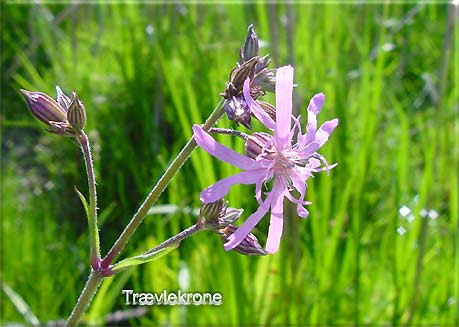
(84, 202)
(141, 259)
(93, 233)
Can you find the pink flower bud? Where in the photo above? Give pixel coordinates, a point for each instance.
(43, 107)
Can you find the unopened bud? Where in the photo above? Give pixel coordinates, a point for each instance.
(238, 111)
(248, 246)
(239, 74)
(212, 211)
(262, 63)
(230, 216)
(218, 215)
(266, 79)
(43, 107)
(62, 99)
(256, 144)
(250, 48)
(76, 113)
(254, 68)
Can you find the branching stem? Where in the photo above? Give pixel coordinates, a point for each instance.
(96, 277)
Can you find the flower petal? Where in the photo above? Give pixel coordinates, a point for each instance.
(325, 130)
(300, 185)
(284, 90)
(327, 168)
(244, 230)
(312, 164)
(222, 152)
(300, 209)
(308, 150)
(221, 188)
(277, 219)
(316, 103)
(255, 108)
(314, 107)
(258, 191)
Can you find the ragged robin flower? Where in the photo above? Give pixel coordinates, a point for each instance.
(278, 157)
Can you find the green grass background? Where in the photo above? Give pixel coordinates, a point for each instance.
(147, 72)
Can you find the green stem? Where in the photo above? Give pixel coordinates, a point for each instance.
(159, 188)
(227, 131)
(92, 219)
(88, 292)
(174, 240)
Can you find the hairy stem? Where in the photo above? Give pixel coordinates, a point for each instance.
(175, 239)
(92, 219)
(160, 186)
(227, 131)
(88, 292)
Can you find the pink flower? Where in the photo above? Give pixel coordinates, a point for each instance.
(279, 158)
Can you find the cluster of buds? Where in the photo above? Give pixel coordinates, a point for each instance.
(218, 217)
(63, 116)
(262, 79)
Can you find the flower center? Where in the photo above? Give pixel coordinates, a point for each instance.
(281, 161)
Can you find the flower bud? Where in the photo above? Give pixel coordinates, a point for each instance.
(249, 246)
(254, 68)
(238, 111)
(266, 79)
(212, 211)
(250, 48)
(262, 63)
(216, 215)
(230, 216)
(239, 74)
(76, 113)
(256, 144)
(43, 107)
(61, 128)
(62, 99)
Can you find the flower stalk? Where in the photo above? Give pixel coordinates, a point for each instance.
(227, 131)
(83, 140)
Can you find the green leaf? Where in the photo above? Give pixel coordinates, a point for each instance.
(84, 202)
(143, 258)
(93, 233)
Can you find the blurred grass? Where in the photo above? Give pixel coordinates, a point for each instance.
(146, 73)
